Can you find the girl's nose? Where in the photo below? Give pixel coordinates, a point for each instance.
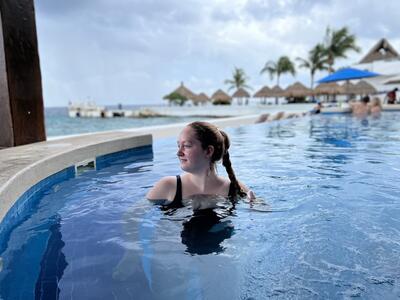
(179, 152)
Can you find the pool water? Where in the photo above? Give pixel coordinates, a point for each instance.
(326, 223)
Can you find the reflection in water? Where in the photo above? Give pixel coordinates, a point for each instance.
(330, 138)
(36, 264)
(204, 232)
(337, 132)
(52, 266)
(365, 122)
(279, 131)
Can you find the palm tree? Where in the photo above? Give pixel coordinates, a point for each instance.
(316, 61)
(239, 79)
(282, 66)
(337, 43)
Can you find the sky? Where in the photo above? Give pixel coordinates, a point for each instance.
(136, 52)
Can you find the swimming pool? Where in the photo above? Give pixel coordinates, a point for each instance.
(331, 228)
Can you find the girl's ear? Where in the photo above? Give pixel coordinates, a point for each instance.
(209, 151)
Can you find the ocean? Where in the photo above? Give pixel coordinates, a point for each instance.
(58, 123)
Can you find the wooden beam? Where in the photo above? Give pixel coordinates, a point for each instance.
(21, 98)
(6, 133)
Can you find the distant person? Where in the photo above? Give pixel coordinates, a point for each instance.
(375, 107)
(200, 146)
(360, 109)
(317, 108)
(391, 96)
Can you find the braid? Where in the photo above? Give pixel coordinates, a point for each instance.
(226, 162)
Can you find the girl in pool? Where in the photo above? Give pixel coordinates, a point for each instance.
(200, 146)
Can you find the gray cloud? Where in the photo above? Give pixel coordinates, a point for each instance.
(137, 51)
(268, 9)
(120, 13)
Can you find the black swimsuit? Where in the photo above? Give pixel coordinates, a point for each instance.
(177, 202)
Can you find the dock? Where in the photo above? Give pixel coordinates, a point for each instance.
(91, 110)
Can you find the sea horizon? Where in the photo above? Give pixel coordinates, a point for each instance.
(58, 122)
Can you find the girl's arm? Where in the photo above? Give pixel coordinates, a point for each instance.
(164, 189)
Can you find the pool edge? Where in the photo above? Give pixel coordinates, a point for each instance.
(64, 154)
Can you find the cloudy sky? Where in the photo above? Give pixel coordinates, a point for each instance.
(135, 52)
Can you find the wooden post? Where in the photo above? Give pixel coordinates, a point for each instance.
(21, 99)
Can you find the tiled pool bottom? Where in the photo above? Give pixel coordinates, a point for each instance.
(332, 231)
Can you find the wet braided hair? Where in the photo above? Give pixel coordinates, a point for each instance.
(209, 135)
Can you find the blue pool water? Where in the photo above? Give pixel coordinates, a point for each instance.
(326, 224)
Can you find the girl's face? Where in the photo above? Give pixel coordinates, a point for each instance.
(190, 152)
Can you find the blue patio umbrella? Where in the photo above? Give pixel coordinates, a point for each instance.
(347, 74)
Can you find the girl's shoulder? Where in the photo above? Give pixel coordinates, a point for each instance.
(222, 181)
(163, 189)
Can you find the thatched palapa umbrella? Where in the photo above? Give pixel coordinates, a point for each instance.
(348, 88)
(220, 97)
(201, 98)
(241, 93)
(329, 88)
(263, 93)
(182, 91)
(297, 90)
(276, 91)
(364, 88)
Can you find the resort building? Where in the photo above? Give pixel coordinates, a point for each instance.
(385, 60)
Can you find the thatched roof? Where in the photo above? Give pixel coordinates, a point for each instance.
(276, 91)
(183, 91)
(348, 88)
(297, 90)
(221, 95)
(393, 80)
(264, 92)
(381, 51)
(241, 93)
(202, 98)
(363, 87)
(329, 88)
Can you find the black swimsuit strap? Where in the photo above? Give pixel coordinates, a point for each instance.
(177, 202)
(178, 194)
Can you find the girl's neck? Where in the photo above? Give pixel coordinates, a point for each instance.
(204, 178)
